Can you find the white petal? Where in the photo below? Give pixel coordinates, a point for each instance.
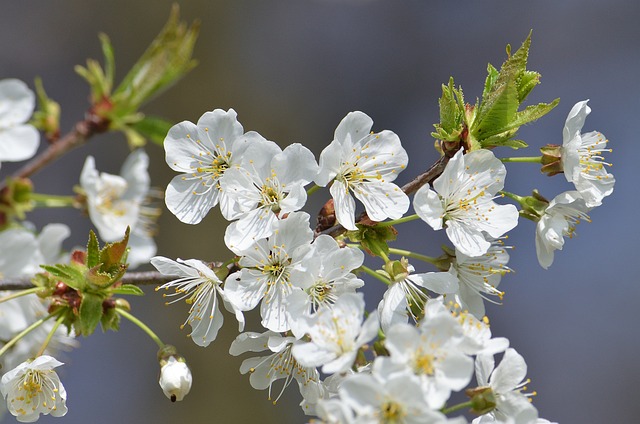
(187, 201)
(428, 206)
(344, 205)
(18, 143)
(382, 200)
(17, 102)
(509, 373)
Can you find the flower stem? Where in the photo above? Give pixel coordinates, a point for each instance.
(19, 294)
(515, 197)
(50, 335)
(398, 221)
(142, 326)
(313, 190)
(529, 159)
(457, 407)
(26, 331)
(53, 201)
(413, 255)
(375, 274)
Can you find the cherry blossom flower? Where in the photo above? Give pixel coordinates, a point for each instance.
(478, 277)
(265, 189)
(507, 382)
(582, 159)
(560, 218)
(406, 296)
(433, 352)
(328, 275)
(202, 153)
(199, 286)
(278, 364)
(462, 201)
(269, 268)
(18, 141)
(337, 332)
(115, 202)
(388, 395)
(34, 388)
(366, 164)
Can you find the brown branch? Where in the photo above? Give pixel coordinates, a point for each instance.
(82, 131)
(142, 278)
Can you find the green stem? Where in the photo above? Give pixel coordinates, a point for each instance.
(410, 254)
(19, 294)
(313, 190)
(457, 407)
(515, 197)
(142, 326)
(528, 159)
(375, 274)
(50, 335)
(24, 332)
(52, 201)
(402, 220)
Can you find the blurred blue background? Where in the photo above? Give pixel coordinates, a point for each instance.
(292, 69)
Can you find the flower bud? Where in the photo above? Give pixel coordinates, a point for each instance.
(175, 376)
(551, 159)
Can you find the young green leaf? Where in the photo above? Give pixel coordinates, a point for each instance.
(90, 313)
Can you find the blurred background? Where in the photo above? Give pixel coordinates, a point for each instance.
(292, 70)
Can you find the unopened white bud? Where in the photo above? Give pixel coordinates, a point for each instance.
(175, 379)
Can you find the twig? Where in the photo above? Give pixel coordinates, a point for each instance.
(82, 131)
(142, 278)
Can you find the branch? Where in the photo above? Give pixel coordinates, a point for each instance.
(136, 278)
(82, 131)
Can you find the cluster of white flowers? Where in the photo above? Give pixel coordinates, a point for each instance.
(318, 330)
(397, 362)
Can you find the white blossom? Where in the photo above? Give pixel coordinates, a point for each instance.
(337, 332)
(115, 202)
(34, 388)
(433, 352)
(202, 153)
(327, 276)
(366, 164)
(18, 140)
(407, 295)
(559, 220)
(175, 379)
(265, 189)
(478, 277)
(199, 286)
(507, 381)
(277, 364)
(582, 158)
(269, 268)
(462, 201)
(390, 394)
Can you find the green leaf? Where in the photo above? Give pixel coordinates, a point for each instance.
(112, 254)
(69, 274)
(110, 320)
(533, 113)
(128, 289)
(93, 250)
(526, 82)
(98, 279)
(503, 107)
(153, 128)
(90, 313)
(492, 76)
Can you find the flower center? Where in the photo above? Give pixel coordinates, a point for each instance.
(392, 412)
